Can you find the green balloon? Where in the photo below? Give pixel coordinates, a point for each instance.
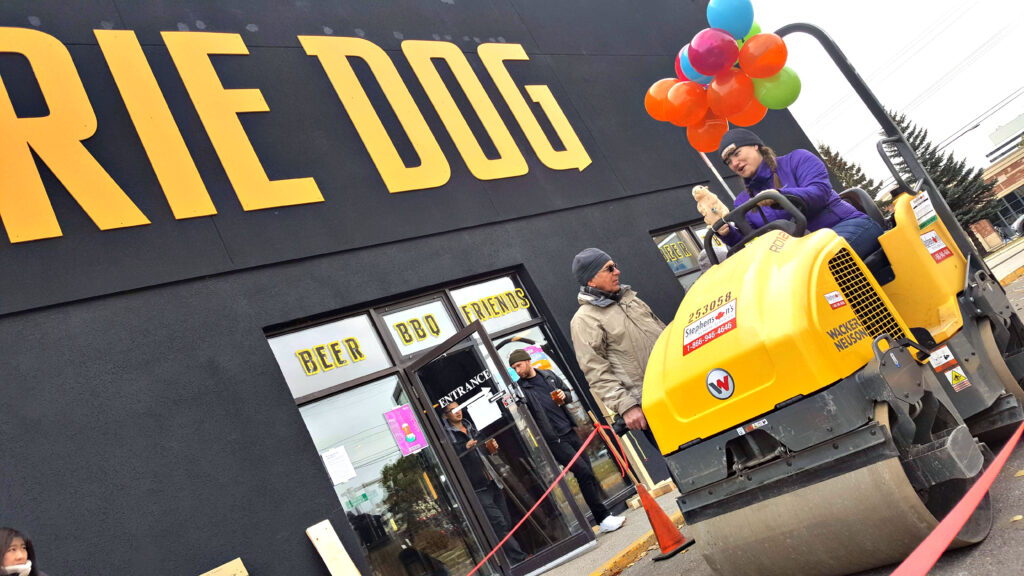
(755, 28)
(778, 91)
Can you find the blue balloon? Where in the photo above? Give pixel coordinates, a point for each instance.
(687, 68)
(733, 16)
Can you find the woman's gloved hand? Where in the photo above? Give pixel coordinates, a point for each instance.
(711, 208)
(767, 203)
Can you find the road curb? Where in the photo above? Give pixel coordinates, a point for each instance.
(633, 552)
(1009, 278)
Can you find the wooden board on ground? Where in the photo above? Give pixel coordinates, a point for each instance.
(233, 568)
(327, 543)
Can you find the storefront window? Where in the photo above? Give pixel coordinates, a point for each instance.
(498, 304)
(681, 247)
(326, 355)
(543, 356)
(419, 327)
(398, 500)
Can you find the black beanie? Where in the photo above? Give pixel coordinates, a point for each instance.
(588, 263)
(737, 137)
(518, 355)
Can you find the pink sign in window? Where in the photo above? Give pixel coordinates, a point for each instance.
(406, 429)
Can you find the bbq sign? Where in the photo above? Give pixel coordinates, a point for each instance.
(58, 137)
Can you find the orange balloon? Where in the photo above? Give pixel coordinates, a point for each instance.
(686, 104)
(656, 96)
(753, 114)
(763, 55)
(707, 135)
(730, 92)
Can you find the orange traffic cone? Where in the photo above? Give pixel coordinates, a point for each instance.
(670, 538)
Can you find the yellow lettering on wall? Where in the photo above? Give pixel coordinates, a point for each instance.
(179, 178)
(218, 109)
(57, 138)
(510, 161)
(333, 53)
(574, 155)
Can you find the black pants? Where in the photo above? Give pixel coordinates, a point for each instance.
(563, 449)
(496, 508)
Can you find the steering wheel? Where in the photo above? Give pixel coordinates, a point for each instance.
(738, 218)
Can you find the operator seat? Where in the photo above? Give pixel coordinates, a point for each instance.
(877, 262)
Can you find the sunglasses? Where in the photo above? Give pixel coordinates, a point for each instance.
(610, 268)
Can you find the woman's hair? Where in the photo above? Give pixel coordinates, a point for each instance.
(7, 535)
(769, 158)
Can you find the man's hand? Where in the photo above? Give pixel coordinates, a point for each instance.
(560, 394)
(635, 419)
(470, 444)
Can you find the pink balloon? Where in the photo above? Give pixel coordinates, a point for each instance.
(713, 50)
(679, 70)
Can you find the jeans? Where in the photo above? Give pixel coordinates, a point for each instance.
(861, 233)
(563, 450)
(496, 508)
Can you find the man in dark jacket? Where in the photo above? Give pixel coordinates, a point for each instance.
(463, 435)
(556, 427)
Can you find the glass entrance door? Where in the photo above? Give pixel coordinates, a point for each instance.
(497, 453)
(386, 471)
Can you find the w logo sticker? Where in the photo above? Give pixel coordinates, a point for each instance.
(720, 384)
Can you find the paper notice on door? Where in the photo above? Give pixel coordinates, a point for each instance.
(338, 464)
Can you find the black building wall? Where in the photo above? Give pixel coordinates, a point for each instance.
(146, 428)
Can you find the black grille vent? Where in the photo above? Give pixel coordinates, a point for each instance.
(872, 313)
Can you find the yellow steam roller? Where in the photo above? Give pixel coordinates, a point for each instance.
(808, 427)
(821, 413)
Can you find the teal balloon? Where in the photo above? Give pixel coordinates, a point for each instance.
(778, 91)
(733, 16)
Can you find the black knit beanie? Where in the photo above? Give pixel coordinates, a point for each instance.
(737, 137)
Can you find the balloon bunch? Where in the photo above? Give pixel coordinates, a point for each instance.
(730, 72)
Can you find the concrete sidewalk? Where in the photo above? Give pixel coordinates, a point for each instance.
(617, 550)
(1007, 263)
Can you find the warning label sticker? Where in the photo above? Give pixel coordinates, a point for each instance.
(936, 247)
(957, 378)
(835, 300)
(751, 427)
(923, 210)
(712, 325)
(942, 359)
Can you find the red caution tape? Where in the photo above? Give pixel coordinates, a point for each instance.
(544, 496)
(931, 548)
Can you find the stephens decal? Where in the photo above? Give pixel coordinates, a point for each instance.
(717, 322)
(936, 247)
(835, 300)
(720, 384)
(847, 334)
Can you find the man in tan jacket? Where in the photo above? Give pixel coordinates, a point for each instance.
(613, 332)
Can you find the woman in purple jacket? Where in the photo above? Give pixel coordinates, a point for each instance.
(799, 174)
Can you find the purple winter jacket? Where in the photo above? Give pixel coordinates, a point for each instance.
(804, 175)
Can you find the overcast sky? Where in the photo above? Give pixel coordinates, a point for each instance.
(944, 63)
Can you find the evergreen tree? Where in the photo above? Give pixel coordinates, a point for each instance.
(969, 196)
(848, 174)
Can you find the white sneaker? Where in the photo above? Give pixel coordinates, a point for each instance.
(612, 523)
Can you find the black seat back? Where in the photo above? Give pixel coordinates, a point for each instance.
(863, 202)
